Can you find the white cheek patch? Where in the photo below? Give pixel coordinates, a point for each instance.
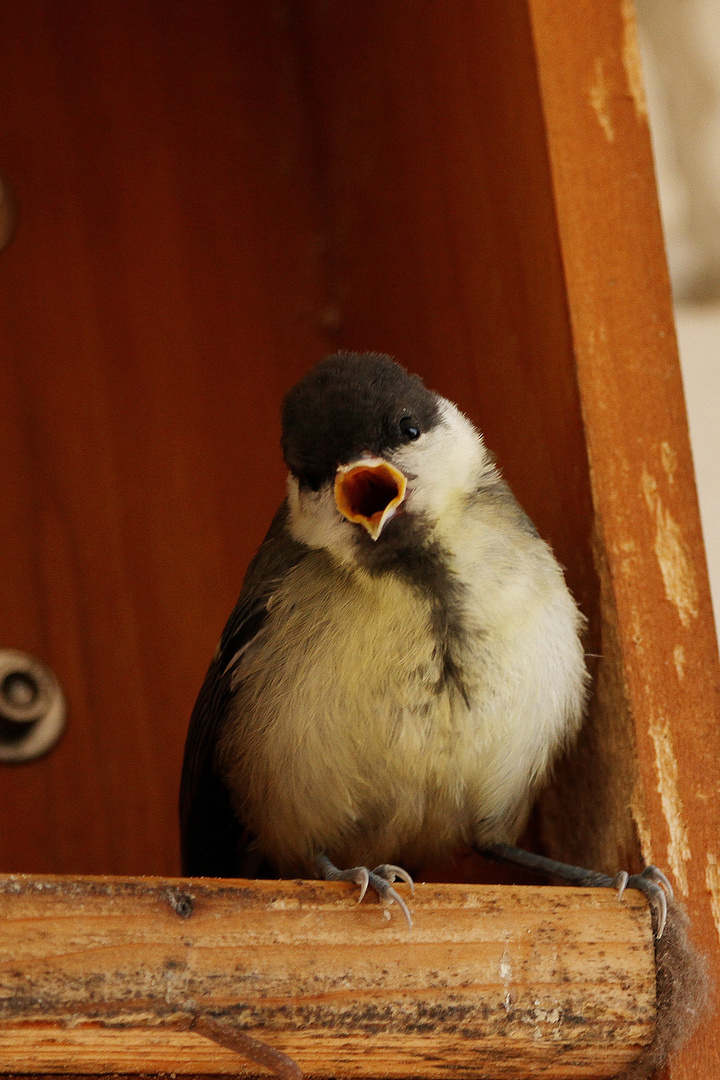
(445, 465)
(314, 520)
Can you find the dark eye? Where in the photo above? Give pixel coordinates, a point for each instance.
(409, 428)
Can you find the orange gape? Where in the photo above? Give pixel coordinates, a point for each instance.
(369, 492)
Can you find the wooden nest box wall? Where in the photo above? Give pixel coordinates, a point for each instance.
(211, 196)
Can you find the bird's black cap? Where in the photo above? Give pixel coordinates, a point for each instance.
(347, 404)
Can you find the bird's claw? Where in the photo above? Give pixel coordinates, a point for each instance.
(395, 873)
(379, 880)
(361, 876)
(654, 885)
(620, 881)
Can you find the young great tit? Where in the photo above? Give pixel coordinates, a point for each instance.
(404, 662)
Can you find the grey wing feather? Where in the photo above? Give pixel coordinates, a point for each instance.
(214, 842)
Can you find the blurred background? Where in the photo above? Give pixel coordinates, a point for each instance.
(680, 43)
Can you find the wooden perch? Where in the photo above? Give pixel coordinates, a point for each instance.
(102, 975)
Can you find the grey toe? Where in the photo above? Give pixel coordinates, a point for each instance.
(379, 881)
(654, 885)
(385, 891)
(395, 873)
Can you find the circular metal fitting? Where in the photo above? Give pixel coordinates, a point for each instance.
(32, 707)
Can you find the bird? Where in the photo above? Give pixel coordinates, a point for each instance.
(405, 661)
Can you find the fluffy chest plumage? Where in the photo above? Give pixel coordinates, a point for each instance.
(342, 711)
(352, 736)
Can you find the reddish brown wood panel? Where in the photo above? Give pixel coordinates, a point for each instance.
(442, 236)
(160, 294)
(212, 193)
(168, 165)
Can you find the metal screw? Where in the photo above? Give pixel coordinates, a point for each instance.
(32, 707)
(19, 689)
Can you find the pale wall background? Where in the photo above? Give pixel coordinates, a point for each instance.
(680, 41)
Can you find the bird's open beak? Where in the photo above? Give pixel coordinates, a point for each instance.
(369, 492)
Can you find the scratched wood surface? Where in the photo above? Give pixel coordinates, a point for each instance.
(659, 680)
(502, 981)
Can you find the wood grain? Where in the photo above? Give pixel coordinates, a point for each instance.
(210, 196)
(502, 981)
(159, 296)
(659, 678)
(441, 228)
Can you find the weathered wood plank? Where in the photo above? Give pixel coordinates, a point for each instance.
(98, 974)
(647, 744)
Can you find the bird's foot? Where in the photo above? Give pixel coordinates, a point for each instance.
(655, 886)
(379, 880)
(651, 882)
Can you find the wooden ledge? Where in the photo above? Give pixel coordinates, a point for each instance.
(100, 974)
